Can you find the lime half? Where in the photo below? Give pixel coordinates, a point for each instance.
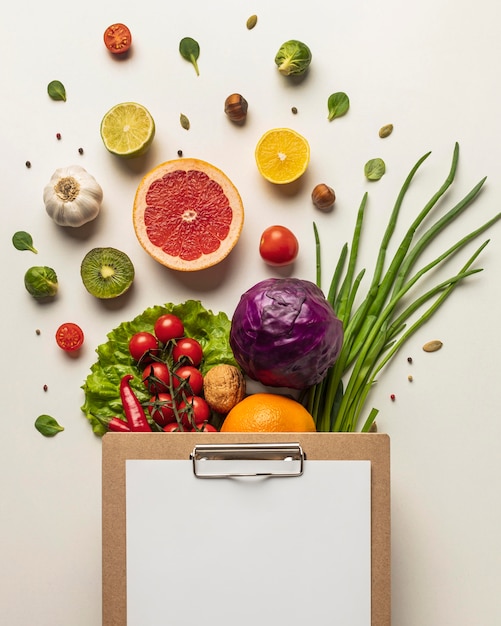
(127, 130)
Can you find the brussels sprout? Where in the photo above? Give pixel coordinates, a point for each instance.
(41, 282)
(293, 58)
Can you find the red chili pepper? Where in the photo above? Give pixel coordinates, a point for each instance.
(118, 425)
(134, 412)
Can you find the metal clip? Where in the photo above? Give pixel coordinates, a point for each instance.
(238, 460)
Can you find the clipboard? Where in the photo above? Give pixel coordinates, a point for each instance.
(268, 457)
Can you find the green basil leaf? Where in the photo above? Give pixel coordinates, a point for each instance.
(56, 90)
(338, 104)
(47, 426)
(190, 50)
(374, 169)
(23, 241)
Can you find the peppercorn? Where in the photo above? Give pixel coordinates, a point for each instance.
(45, 387)
(179, 153)
(80, 150)
(38, 331)
(294, 110)
(28, 164)
(392, 397)
(409, 359)
(58, 136)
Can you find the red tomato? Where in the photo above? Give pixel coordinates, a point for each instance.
(168, 327)
(205, 427)
(189, 349)
(161, 409)
(117, 38)
(69, 337)
(194, 409)
(141, 343)
(193, 377)
(172, 427)
(278, 246)
(156, 377)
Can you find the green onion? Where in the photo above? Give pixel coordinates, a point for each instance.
(376, 323)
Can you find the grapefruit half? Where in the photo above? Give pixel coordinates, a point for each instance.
(187, 214)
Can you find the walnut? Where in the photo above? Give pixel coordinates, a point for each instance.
(224, 386)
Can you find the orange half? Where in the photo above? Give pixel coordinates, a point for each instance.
(187, 214)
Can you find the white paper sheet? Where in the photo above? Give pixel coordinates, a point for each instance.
(248, 551)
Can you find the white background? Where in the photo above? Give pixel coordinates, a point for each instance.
(431, 69)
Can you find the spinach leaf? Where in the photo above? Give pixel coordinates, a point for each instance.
(23, 241)
(47, 426)
(190, 50)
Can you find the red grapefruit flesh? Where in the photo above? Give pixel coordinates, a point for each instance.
(187, 214)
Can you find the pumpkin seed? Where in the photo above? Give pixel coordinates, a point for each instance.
(251, 22)
(432, 346)
(385, 131)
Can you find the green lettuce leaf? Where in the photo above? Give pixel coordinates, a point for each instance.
(101, 387)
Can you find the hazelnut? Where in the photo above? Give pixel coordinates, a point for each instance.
(224, 386)
(323, 197)
(235, 107)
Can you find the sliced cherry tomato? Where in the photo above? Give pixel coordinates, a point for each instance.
(168, 327)
(192, 376)
(189, 349)
(117, 38)
(156, 377)
(141, 343)
(278, 246)
(161, 409)
(69, 337)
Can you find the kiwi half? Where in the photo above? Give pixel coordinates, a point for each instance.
(106, 272)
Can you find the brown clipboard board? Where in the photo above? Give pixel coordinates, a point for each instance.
(120, 447)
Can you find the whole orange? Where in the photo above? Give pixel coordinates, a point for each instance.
(268, 412)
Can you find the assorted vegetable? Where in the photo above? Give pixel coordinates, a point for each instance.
(210, 330)
(23, 241)
(284, 333)
(41, 282)
(72, 197)
(47, 426)
(56, 90)
(338, 104)
(117, 38)
(374, 169)
(278, 246)
(69, 337)
(293, 58)
(391, 310)
(189, 49)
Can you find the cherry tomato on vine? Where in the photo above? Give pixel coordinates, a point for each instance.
(172, 427)
(193, 376)
(156, 377)
(168, 327)
(278, 246)
(141, 343)
(205, 427)
(161, 409)
(194, 409)
(69, 337)
(117, 38)
(188, 348)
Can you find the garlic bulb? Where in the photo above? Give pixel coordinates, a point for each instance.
(72, 197)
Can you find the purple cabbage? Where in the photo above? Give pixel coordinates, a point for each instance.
(284, 333)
